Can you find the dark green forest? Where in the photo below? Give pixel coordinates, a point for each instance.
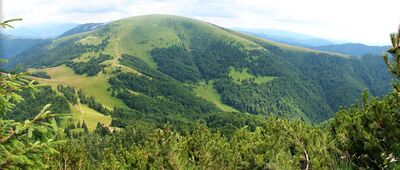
(92, 67)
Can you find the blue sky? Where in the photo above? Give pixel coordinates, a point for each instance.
(366, 21)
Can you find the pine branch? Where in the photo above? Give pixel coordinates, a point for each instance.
(6, 24)
(44, 114)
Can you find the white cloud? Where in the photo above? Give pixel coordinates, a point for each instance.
(367, 21)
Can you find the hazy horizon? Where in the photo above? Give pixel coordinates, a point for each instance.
(332, 20)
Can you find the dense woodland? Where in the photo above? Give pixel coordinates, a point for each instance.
(34, 102)
(41, 74)
(92, 67)
(166, 126)
(364, 135)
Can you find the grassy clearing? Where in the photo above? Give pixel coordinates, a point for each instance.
(264, 79)
(207, 91)
(113, 49)
(85, 57)
(95, 86)
(90, 40)
(83, 112)
(239, 76)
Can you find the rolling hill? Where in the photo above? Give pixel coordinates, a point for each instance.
(306, 41)
(353, 49)
(163, 68)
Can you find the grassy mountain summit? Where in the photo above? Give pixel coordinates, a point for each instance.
(139, 35)
(167, 65)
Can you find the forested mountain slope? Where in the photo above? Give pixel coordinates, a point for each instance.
(10, 46)
(184, 69)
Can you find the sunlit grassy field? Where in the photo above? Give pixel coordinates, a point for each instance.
(95, 86)
(207, 91)
(83, 112)
(239, 76)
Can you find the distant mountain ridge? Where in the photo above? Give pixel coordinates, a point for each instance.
(307, 41)
(286, 37)
(11, 45)
(82, 28)
(353, 49)
(41, 31)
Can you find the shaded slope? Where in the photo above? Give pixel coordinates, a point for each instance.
(10, 46)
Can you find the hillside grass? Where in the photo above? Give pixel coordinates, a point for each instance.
(92, 117)
(114, 50)
(239, 76)
(139, 35)
(90, 40)
(95, 86)
(206, 91)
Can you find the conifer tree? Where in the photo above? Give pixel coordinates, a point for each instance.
(99, 125)
(85, 128)
(23, 145)
(395, 53)
(368, 132)
(72, 126)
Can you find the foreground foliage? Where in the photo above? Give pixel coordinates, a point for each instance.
(24, 144)
(28, 143)
(278, 143)
(363, 136)
(368, 134)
